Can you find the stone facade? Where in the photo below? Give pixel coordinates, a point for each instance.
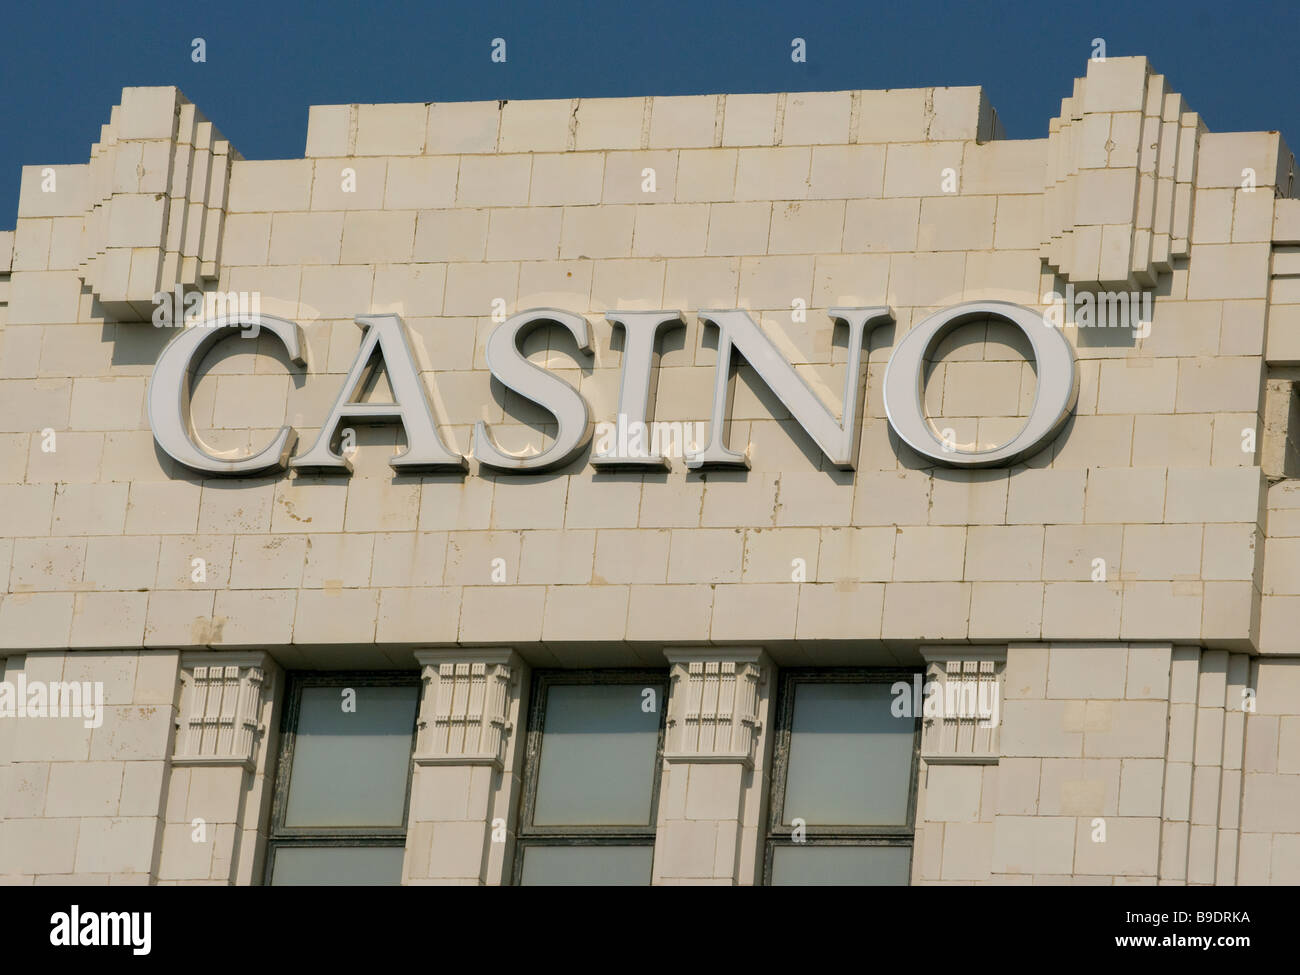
(1132, 588)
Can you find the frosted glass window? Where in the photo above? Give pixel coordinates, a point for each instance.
(844, 865)
(850, 760)
(591, 778)
(350, 768)
(358, 866)
(609, 866)
(844, 769)
(598, 756)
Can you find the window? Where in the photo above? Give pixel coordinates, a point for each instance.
(843, 780)
(591, 782)
(343, 780)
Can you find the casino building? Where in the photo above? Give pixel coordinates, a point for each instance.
(740, 489)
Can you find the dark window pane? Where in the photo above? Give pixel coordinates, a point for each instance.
(852, 865)
(598, 756)
(317, 866)
(620, 866)
(850, 758)
(350, 768)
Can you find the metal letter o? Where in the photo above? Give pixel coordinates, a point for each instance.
(1056, 392)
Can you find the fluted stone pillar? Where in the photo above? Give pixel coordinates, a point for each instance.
(716, 760)
(468, 766)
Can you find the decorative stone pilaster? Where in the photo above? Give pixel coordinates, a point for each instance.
(1210, 697)
(467, 722)
(222, 768)
(467, 767)
(1121, 172)
(11, 867)
(711, 806)
(960, 701)
(221, 709)
(961, 705)
(718, 718)
(158, 180)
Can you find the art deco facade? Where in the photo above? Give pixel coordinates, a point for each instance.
(553, 669)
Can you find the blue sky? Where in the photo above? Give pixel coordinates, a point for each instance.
(64, 64)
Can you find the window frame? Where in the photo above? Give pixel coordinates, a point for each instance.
(529, 835)
(278, 835)
(777, 833)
